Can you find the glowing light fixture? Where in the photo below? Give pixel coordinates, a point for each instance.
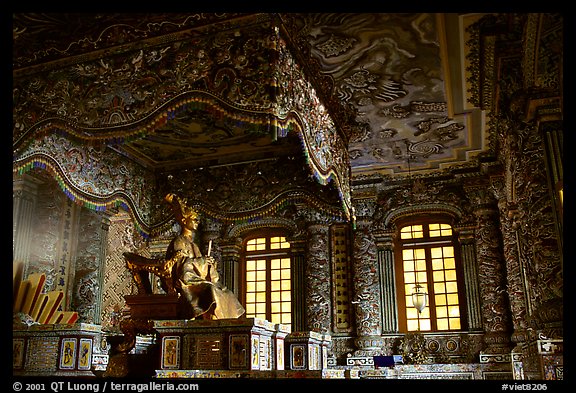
(419, 298)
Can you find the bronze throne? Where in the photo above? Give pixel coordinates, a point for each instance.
(163, 268)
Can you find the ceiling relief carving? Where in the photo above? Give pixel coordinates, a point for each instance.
(65, 35)
(388, 68)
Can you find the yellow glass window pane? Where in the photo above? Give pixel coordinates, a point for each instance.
(261, 286)
(285, 285)
(261, 264)
(285, 296)
(437, 264)
(442, 324)
(425, 324)
(275, 264)
(445, 226)
(421, 265)
(421, 277)
(451, 287)
(440, 300)
(275, 307)
(275, 285)
(407, 254)
(405, 233)
(450, 275)
(261, 275)
(260, 297)
(449, 263)
(455, 323)
(285, 263)
(250, 287)
(448, 251)
(411, 312)
(275, 275)
(286, 318)
(434, 233)
(250, 265)
(275, 318)
(261, 308)
(409, 277)
(250, 298)
(436, 252)
(452, 298)
(285, 274)
(408, 289)
(250, 276)
(250, 308)
(420, 253)
(439, 287)
(441, 312)
(286, 307)
(275, 296)
(454, 311)
(417, 228)
(438, 275)
(412, 325)
(434, 227)
(408, 266)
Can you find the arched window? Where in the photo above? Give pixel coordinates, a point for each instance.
(266, 289)
(427, 256)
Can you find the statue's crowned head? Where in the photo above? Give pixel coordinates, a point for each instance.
(182, 211)
(189, 213)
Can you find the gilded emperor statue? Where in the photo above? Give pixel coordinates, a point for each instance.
(185, 271)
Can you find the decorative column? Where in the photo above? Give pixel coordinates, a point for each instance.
(318, 305)
(89, 264)
(24, 196)
(104, 228)
(388, 285)
(298, 258)
(366, 285)
(230, 263)
(492, 279)
(470, 268)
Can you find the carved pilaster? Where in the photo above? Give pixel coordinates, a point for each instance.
(385, 247)
(491, 274)
(24, 196)
(298, 274)
(318, 305)
(230, 262)
(366, 286)
(516, 275)
(470, 268)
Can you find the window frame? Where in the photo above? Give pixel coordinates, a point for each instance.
(427, 243)
(267, 254)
